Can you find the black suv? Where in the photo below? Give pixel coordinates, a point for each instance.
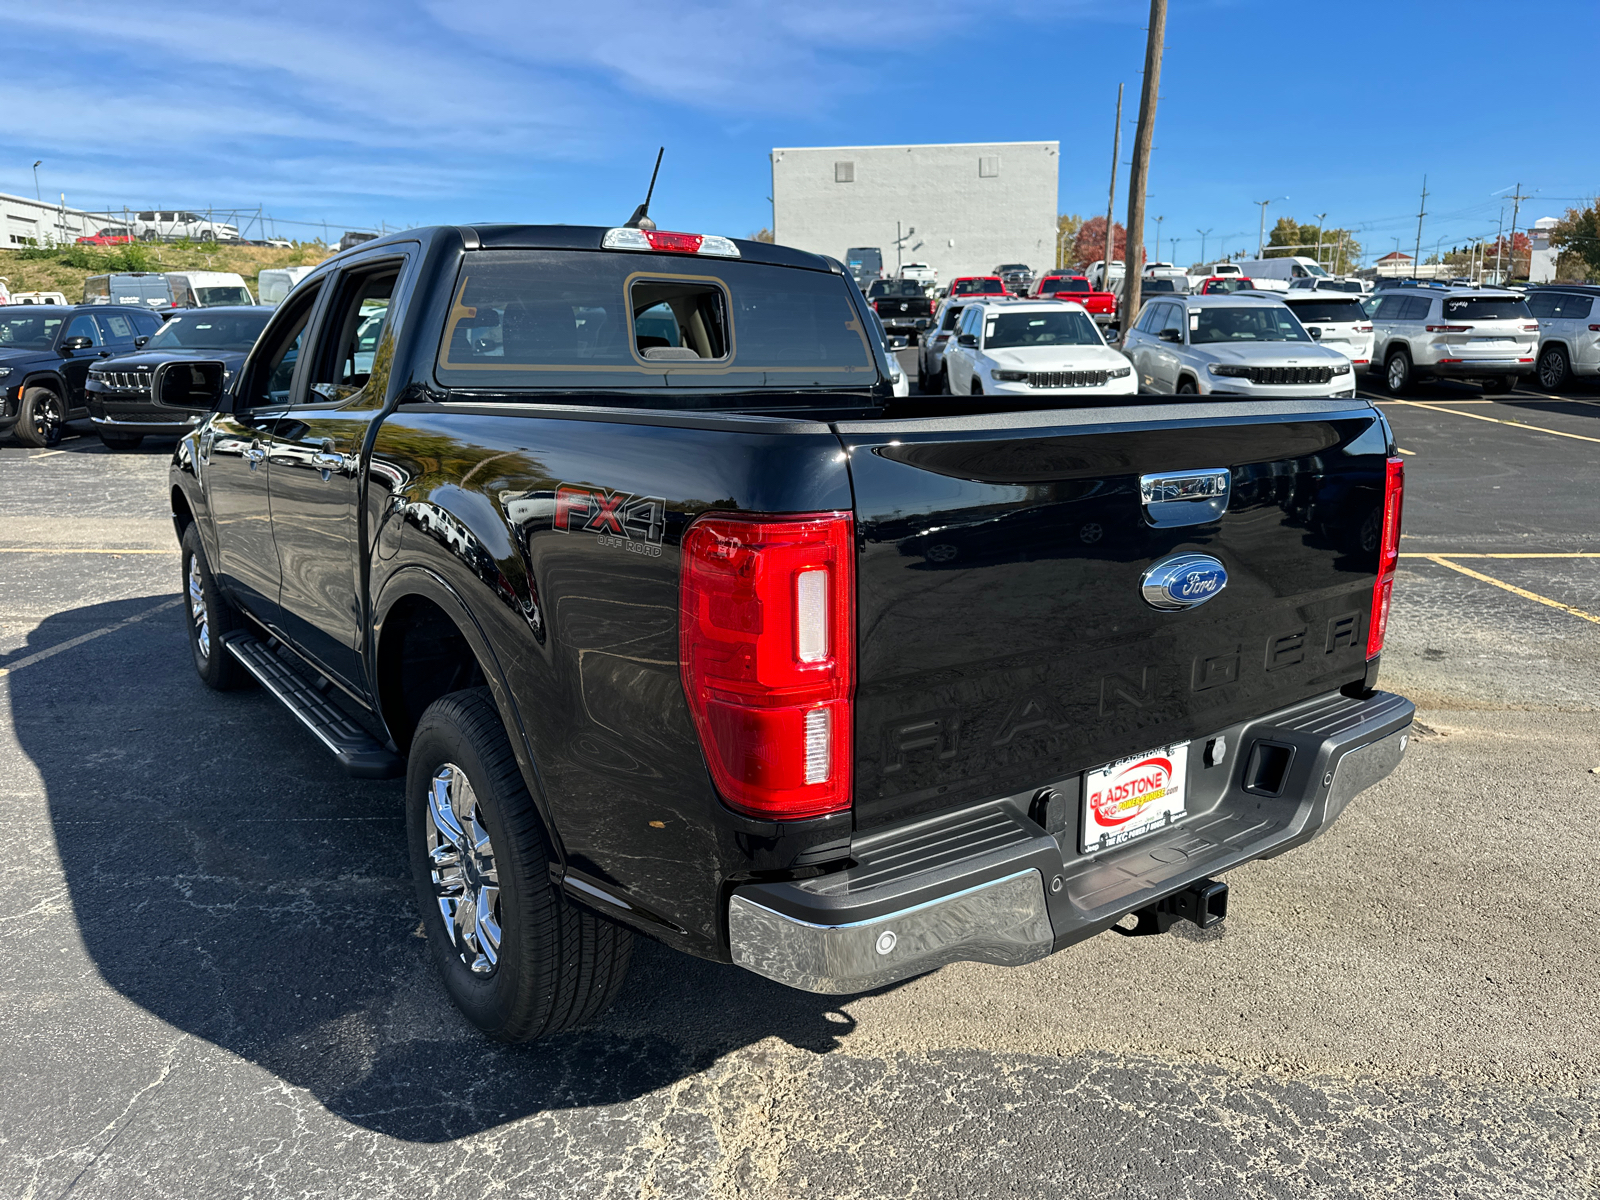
(123, 399)
(45, 354)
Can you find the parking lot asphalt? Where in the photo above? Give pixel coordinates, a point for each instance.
(212, 982)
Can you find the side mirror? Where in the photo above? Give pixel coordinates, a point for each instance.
(138, 342)
(1170, 335)
(77, 343)
(198, 386)
(1113, 337)
(967, 339)
(1316, 334)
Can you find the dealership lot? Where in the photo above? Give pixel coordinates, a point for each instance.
(213, 981)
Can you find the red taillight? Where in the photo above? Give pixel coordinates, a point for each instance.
(767, 654)
(942, 338)
(1531, 328)
(874, 305)
(1594, 329)
(684, 243)
(1447, 328)
(1394, 487)
(1363, 328)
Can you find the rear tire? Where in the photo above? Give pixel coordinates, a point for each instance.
(1555, 368)
(121, 441)
(1397, 373)
(518, 959)
(209, 618)
(40, 419)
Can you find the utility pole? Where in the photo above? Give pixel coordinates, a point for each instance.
(1321, 217)
(1139, 170)
(1204, 234)
(1500, 239)
(1422, 211)
(1516, 203)
(1261, 235)
(1111, 200)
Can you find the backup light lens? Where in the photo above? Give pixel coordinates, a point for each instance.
(1394, 486)
(767, 657)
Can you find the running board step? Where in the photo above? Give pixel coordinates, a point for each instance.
(358, 752)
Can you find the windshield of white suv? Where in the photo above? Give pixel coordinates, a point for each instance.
(1010, 330)
(1329, 310)
(195, 332)
(1485, 308)
(1266, 323)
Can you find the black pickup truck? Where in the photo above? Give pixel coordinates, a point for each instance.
(903, 305)
(618, 547)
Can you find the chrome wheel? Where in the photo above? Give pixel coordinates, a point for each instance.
(47, 421)
(466, 884)
(1552, 369)
(197, 608)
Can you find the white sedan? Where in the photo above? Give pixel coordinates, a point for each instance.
(1033, 348)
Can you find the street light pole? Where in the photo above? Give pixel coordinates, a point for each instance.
(1261, 236)
(1204, 234)
(1158, 235)
(1321, 217)
(36, 194)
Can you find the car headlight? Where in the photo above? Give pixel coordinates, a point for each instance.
(1120, 373)
(4, 371)
(1009, 376)
(1343, 368)
(1229, 371)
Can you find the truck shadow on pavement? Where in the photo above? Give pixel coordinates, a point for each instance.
(226, 877)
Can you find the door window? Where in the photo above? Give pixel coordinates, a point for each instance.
(353, 347)
(272, 368)
(83, 326)
(117, 328)
(1174, 320)
(1542, 304)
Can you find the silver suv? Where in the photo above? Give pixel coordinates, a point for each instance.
(1569, 333)
(1485, 335)
(1242, 344)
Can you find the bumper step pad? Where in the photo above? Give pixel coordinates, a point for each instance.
(358, 752)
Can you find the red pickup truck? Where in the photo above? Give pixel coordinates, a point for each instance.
(977, 285)
(1059, 285)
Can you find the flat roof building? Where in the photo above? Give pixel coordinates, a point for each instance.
(962, 209)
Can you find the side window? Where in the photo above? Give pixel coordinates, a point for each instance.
(1576, 308)
(117, 328)
(1175, 321)
(348, 352)
(1543, 304)
(1150, 320)
(83, 325)
(278, 352)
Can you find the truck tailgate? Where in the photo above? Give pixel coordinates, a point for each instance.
(1004, 641)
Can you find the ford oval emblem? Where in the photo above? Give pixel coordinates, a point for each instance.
(1182, 581)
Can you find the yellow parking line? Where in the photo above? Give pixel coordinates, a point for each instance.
(1513, 589)
(73, 643)
(77, 550)
(1404, 451)
(1451, 554)
(1582, 437)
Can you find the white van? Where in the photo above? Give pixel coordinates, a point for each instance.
(207, 289)
(1275, 274)
(275, 283)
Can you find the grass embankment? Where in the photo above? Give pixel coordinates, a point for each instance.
(64, 268)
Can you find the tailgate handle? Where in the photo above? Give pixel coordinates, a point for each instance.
(1185, 497)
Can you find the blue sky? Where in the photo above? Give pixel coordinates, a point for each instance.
(418, 111)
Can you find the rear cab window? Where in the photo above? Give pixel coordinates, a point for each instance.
(533, 321)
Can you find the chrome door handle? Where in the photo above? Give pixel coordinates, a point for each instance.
(255, 454)
(327, 461)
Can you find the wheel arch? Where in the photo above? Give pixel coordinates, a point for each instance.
(421, 625)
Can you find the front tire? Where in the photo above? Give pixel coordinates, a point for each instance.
(41, 418)
(209, 618)
(1186, 388)
(976, 388)
(1397, 373)
(121, 441)
(517, 958)
(1555, 368)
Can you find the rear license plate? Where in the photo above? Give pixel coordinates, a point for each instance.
(1134, 796)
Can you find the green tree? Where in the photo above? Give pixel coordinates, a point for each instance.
(1067, 226)
(1577, 236)
(1339, 253)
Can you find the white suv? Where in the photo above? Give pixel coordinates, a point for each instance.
(1240, 344)
(1569, 333)
(1032, 348)
(1488, 336)
(1337, 320)
(169, 226)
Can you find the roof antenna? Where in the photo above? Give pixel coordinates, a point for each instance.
(641, 215)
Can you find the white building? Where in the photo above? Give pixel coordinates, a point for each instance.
(25, 222)
(963, 209)
(1542, 263)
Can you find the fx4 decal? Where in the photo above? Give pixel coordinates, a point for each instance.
(620, 519)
